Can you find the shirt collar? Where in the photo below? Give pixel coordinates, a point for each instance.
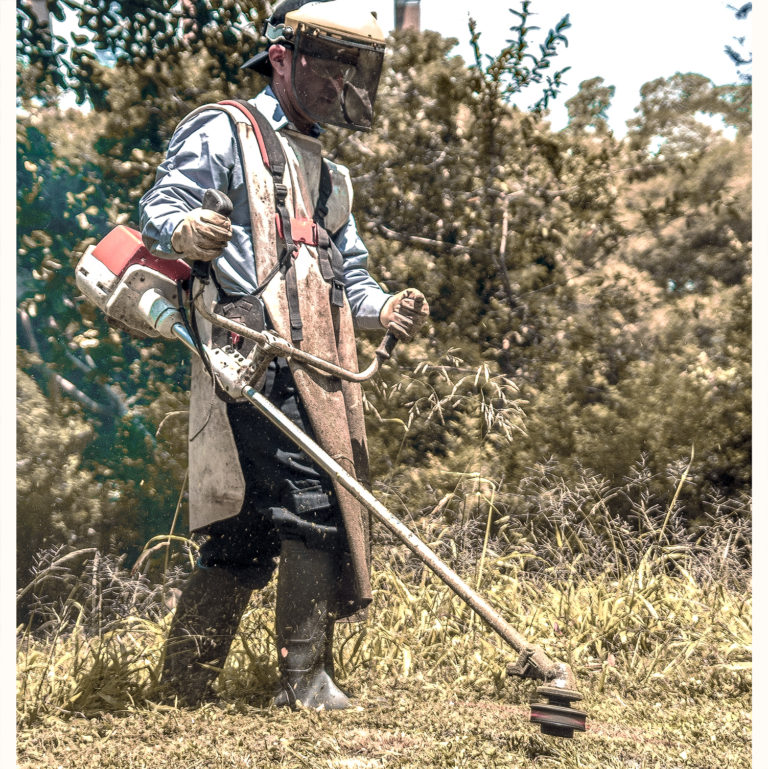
(266, 102)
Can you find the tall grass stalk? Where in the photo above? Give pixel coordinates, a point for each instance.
(626, 608)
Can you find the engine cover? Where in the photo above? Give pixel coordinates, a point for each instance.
(116, 272)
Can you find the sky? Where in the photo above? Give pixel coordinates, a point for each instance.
(626, 43)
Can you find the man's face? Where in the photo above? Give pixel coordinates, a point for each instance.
(324, 81)
(318, 83)
(281, 59)
(334, 88)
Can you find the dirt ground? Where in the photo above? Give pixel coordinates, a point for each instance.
(417, 724)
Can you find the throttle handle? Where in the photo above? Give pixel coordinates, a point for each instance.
(384, 350)
(219, 203)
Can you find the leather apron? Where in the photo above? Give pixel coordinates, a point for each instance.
(335, 408)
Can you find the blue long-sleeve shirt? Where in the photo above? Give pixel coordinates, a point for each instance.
(203, 154)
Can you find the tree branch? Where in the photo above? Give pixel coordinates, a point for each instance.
(57, 380)
(501, 261)
(76, 394)
(453, 248)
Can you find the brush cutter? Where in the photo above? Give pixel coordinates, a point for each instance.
(137, 291)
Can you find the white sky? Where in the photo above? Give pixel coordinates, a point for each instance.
(626, 43)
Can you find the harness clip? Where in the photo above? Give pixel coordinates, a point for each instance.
(302, 230)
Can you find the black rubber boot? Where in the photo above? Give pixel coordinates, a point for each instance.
(306, 591)
(330, 667)
(201, 634)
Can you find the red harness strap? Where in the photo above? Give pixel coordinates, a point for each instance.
(294, 230)
(283, 219)
(302, 230)
(255, 126)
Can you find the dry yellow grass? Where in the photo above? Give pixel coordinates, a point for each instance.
(663, 659)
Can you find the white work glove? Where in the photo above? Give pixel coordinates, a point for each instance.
(404, 314)
(201, 235)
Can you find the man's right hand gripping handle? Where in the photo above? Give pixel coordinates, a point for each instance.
(204, 232)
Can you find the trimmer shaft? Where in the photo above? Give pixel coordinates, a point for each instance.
(556, 716)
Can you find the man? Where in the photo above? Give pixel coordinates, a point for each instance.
(253, 493)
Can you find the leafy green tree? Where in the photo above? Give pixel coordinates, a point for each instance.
(667, 125)
(589, 295)
(144, 36)
(628, 363)
(69, 195)
(588, 109)
(691, 224)
(688, 203)
(440, 208)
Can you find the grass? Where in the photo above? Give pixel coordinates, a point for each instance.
(654, 619)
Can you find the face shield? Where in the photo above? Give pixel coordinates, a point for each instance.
(335, 80)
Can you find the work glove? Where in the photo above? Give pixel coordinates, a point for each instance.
(201, 235)
(405, 313)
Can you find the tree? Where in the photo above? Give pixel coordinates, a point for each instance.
(148, 36)
(441, 208)
(58, 500)
(635, 359)
(691, 223)
(69, 195)
(603, 354)
(667, 127)
(740, 55)
(588, 109)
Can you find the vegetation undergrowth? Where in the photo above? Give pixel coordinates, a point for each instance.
(654, 618)
(590, 299)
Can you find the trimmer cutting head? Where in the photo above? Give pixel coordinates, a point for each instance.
(556, 716)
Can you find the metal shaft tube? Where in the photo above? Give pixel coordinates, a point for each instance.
(285, 350)
(542, 666)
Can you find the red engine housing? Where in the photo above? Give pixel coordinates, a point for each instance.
(116, 272)
(123, 247)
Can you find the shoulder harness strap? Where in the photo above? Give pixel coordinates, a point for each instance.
(291, 230)
(330, 259)
(274, 159)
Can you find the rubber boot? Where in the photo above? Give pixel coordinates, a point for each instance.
(330, 666)
(201, 634)
(306, 591)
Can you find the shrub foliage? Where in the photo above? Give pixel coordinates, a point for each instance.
(590, 295)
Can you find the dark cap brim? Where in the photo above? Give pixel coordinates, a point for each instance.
(260, 63)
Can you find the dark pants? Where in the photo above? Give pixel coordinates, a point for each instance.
(287, 495)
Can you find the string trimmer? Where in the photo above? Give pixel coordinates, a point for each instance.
(140, 292)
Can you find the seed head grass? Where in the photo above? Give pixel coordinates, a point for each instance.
(653, 616)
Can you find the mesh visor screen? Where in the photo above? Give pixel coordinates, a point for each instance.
(335, 82)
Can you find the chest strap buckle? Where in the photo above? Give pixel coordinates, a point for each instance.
(302, 230)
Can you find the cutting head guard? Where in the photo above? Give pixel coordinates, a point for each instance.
(338, 52)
